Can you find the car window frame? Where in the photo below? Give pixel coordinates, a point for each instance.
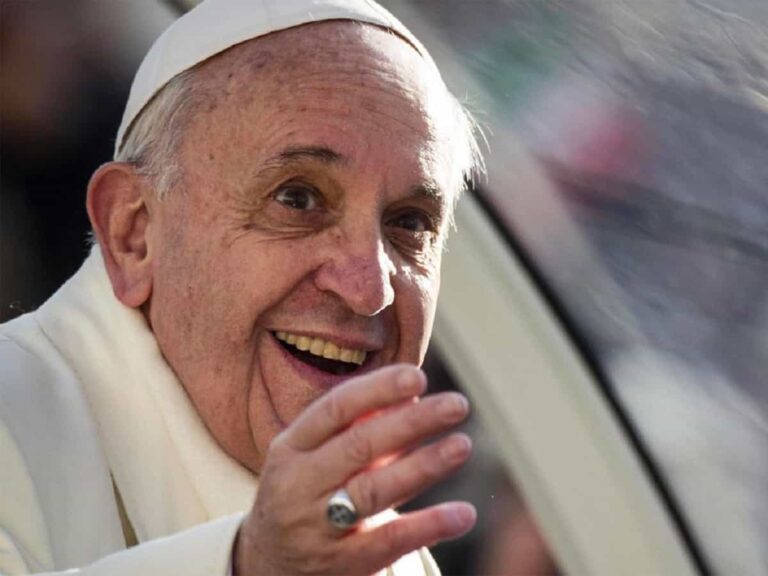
(546, 409)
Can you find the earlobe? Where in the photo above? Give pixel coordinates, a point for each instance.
(118, 207)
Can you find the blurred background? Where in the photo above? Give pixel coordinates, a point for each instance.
(648, 121)
(65, 72)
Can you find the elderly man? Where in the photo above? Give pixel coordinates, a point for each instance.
(263, 286)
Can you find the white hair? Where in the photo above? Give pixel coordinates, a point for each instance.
(153, 139)
(470, 161)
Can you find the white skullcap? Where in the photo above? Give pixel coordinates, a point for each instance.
(215, 25)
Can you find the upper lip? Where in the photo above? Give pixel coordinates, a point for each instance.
(351, 341)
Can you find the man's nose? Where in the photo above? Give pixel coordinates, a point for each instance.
(360, 272)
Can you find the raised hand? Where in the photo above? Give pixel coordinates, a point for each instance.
(363, 437)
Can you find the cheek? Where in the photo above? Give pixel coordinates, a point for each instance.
(429, 289)
(212, 292)
(195, 297)
(191, 319)
(417, 295)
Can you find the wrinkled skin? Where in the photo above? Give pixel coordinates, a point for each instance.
(318, 175)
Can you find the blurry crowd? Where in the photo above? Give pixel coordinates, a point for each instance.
(65, 69)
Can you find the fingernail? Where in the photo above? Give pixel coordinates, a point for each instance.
(453, 405)
(411, 381)
(461, 517)
(456, 448)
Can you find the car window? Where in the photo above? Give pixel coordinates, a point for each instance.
(625, 163)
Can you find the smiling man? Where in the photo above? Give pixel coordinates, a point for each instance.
(262, 290)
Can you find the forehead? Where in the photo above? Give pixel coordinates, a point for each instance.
(349, 84)
(354, 48)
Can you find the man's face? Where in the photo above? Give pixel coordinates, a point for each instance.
(318, 178)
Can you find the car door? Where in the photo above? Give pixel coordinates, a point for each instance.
(603, 299)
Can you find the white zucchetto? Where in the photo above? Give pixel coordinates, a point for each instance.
(216, 25)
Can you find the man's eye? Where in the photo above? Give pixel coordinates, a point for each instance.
(413, 222)
(298, 197)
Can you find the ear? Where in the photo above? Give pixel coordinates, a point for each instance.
(119, 210)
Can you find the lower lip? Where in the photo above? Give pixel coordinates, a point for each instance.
(319, 378)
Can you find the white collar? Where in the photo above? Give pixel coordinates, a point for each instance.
(170, 471)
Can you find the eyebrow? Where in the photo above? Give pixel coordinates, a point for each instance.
(326, 155)
(429, 191)
(293, 154)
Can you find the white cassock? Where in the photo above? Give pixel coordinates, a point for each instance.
(99, 442)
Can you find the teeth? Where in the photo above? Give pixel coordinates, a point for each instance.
(317, 347)
(331, 351)
(323, 348)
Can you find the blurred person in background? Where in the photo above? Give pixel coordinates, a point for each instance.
(57, 116)
(263, 286)
(65, 69)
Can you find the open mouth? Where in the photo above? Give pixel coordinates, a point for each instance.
(322, 354)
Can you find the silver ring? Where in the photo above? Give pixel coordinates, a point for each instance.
(341, 511)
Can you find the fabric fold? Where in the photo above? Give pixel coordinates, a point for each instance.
(168, 468)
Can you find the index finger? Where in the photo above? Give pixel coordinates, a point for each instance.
(352, 399)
